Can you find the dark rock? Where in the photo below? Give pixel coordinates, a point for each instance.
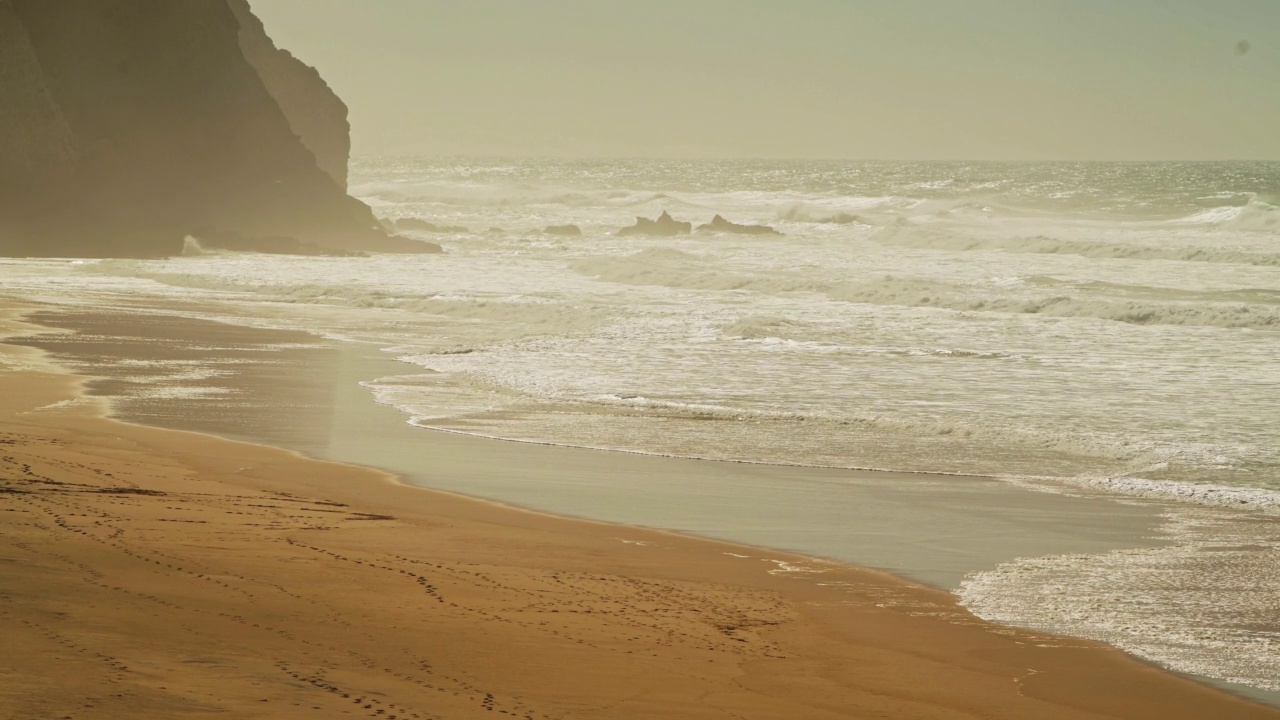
(126, 125)
(565, 230)
(664, 226)
(315, 113)
(719, 224)
(34, 131)
(420, 225)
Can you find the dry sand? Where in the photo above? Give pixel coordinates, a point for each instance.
(156, 573)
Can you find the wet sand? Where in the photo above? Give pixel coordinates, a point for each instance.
(289, 390)
(159, 573)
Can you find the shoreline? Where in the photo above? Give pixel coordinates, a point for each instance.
(312, 401)
(816, 611)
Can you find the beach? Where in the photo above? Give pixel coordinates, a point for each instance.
(396, 360)
(168, 572)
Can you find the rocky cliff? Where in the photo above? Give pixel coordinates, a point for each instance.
(130, 124)
(32, 130)
(316, 114)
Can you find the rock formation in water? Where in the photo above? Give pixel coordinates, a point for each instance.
(664, 226)
(719, 224)
(563, 230)
(424, 226)
(128, 125)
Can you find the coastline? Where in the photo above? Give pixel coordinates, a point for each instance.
(661, 624)
(288, 389)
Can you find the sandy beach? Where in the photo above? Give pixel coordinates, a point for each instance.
(162, 573)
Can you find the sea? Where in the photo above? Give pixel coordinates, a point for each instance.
(1071, 328)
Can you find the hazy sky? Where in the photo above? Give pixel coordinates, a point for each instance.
(895, 79)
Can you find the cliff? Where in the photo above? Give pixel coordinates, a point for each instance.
(130, 124)
(315, 113)
(31, 125)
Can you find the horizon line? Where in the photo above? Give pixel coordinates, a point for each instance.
(765, 158)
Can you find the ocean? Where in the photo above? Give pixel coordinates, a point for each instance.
(1077, 328)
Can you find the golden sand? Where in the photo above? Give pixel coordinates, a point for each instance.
(149, 573)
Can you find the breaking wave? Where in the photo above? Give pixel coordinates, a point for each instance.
(513, 195)
(925, 293)
(677, 269)
(760, 328)
(803, 213)
(1045, 460)
(1207, 494)
(941, 238)
(512, 315)
(1261, 214)
(1219, 620)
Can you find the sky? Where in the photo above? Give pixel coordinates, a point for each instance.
(840, 79)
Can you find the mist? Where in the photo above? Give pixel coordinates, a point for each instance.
(916, 80)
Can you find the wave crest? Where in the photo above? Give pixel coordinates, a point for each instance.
(800, 212)
(939, 238)
(676, 269)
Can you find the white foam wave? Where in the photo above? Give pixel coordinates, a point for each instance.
(673, 268)
(1205, 603)
(856, 431)
(191, 246)
(1212, 216)
(498, 195)
(759, 328)
(957, 239)
(1260, 214)
(938, 446)
(924, 293)
(800, 212)
(1206, 494)
(531, 314)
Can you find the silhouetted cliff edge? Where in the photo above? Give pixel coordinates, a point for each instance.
(316, 114)
(126, 125)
